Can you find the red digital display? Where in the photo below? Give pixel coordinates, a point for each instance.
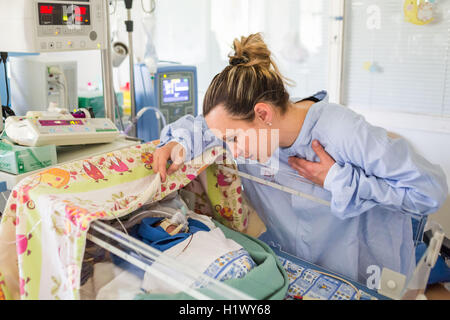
(46, 9)
(47, 123)
(59, 14)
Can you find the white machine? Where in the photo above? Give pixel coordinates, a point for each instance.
(59, 130)
(37, 83)
(29, 26)
(47, 26)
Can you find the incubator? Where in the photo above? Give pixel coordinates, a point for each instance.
(94, 229)
(154, 272)
(382, 267)
(310, 281)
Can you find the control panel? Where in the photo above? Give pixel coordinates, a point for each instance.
(176, 94)
(69, 25)
(43, 131)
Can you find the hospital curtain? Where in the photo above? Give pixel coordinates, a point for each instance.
(201, 32)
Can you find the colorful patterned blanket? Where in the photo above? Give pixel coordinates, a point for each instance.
(43, 229)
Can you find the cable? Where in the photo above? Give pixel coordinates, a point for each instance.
(66, 90)
(124, 229)
(6, 110)
(66, 101)
(358, 293)
(6, 84)
(113, 3)
(111, 12)
(24, 236)
(4, 57)
(143, 110)
(3, 133)
(56, 72)
(288, 173)
(117, 107)
(4, 197)
(139, 115)
(152, 7)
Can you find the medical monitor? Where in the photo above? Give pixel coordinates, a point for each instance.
(175, 90)
(172, 89)
(52, 25)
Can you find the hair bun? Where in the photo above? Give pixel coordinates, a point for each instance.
(250, 51)
(234, 61)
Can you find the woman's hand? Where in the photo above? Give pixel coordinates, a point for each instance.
(314, 171)
(171, 151)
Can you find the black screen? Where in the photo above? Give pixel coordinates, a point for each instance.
(63, 14)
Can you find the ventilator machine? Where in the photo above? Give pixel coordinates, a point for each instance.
(172, 90)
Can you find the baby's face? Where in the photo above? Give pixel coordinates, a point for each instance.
(169, 229)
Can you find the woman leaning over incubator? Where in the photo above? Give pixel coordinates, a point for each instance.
(370, 179)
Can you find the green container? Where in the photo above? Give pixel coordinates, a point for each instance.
(17, 159)
(94, 100)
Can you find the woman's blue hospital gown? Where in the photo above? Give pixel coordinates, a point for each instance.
(374, 182)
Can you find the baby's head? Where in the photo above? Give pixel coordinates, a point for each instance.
(168, 226)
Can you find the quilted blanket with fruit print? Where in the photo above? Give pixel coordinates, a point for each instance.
(43, 229)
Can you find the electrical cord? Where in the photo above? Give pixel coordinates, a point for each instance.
(117, 107)
(4, 57)
(66, 90)
(115, 7)
(61, 85)
(152, 7)
(357, 292)
(139, 115)
(6, 110)
(113, 4)
(58, 74)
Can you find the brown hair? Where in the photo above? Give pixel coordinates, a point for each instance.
(251, 77)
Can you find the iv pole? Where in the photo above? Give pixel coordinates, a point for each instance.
(129, 26)
(108, 89)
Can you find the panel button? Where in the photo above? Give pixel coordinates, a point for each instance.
(93, 35)
(177, 111)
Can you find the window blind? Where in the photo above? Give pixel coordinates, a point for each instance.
(391, 64)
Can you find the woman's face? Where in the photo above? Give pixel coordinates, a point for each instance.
(248, 139)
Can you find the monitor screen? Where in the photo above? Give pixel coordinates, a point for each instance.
(175, 90)
(63, 14)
